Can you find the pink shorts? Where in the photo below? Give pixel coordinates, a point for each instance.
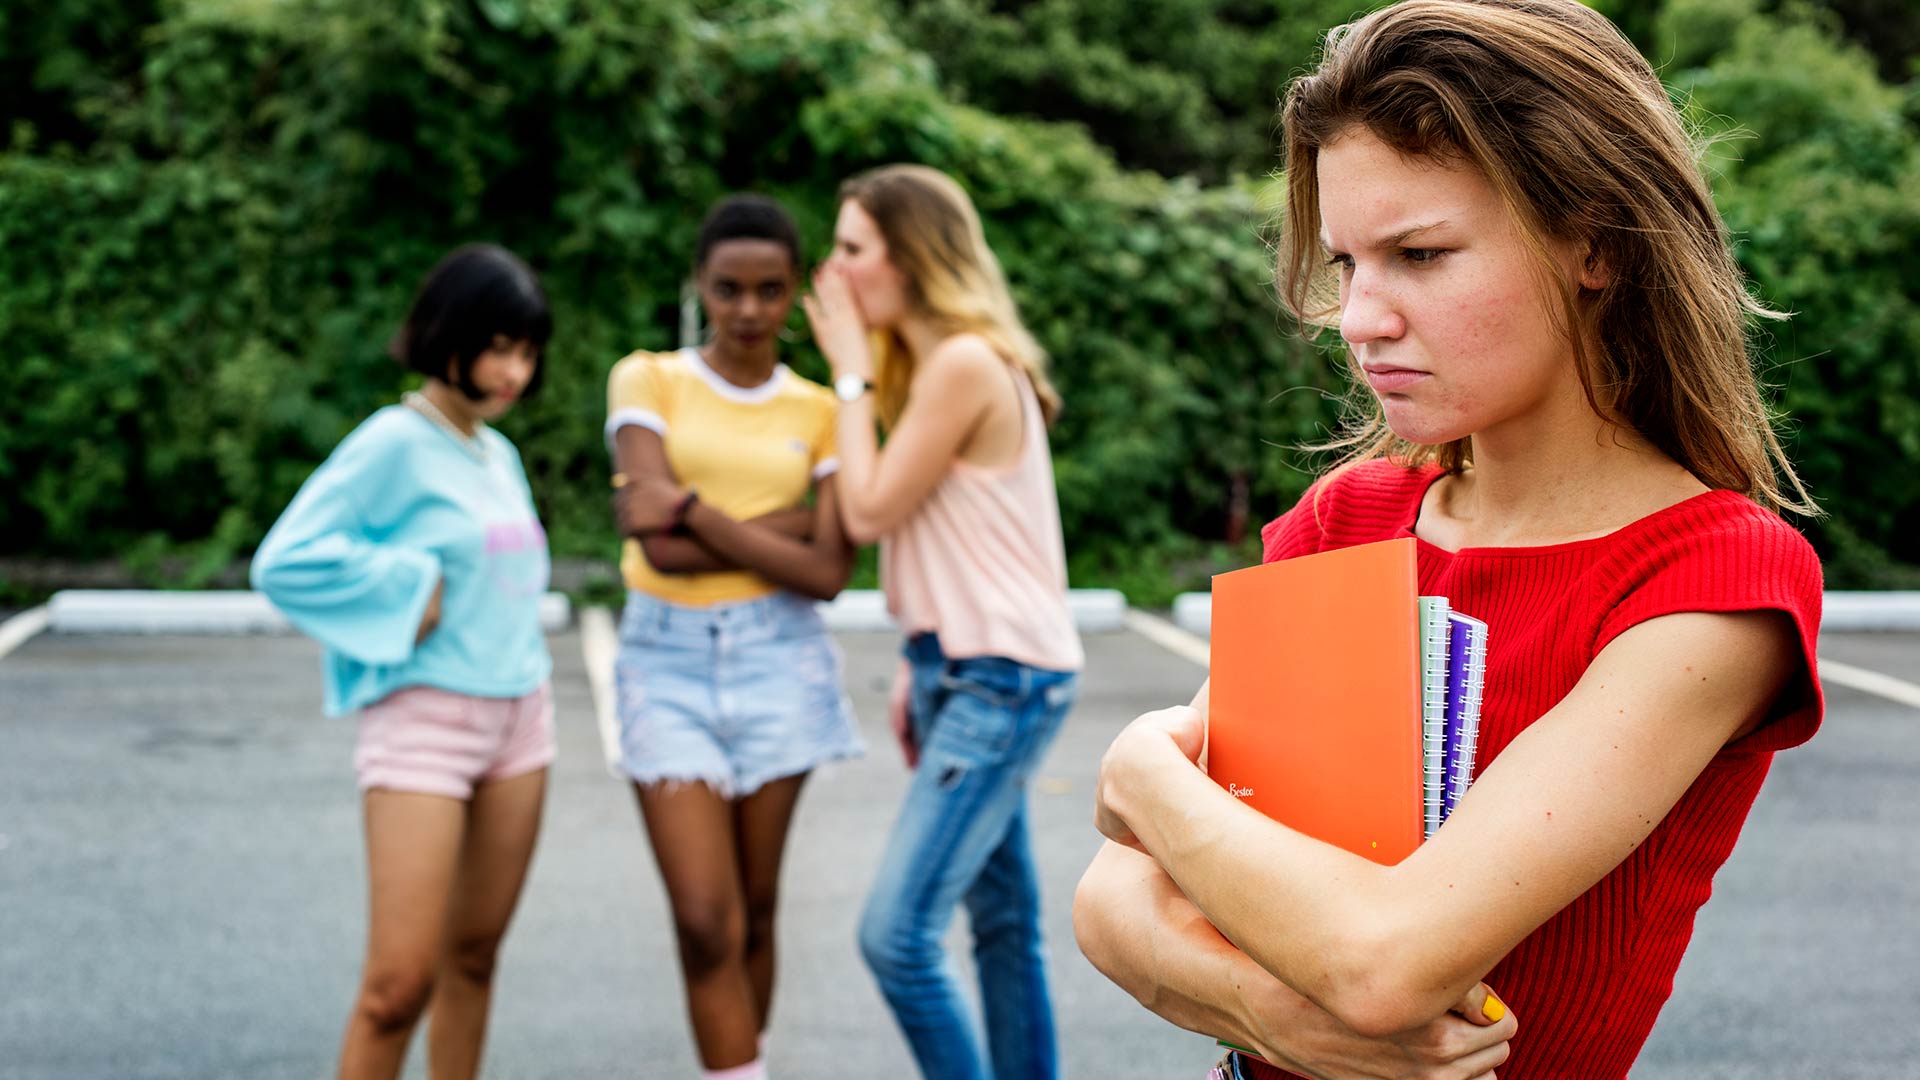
(438, 742)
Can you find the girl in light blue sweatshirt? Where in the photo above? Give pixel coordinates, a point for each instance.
(414, 556)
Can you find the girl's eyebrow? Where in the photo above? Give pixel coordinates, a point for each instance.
(1397, 239)
(1400, 238)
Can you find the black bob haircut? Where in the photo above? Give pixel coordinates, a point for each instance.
(747, 217)
(476, 293)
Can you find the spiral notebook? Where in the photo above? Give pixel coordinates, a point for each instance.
(1453, 669)
(1466, 685)
(1435, 662)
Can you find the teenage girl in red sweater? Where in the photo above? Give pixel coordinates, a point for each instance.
(1497, 206)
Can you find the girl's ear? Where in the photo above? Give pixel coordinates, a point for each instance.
(1595, 274)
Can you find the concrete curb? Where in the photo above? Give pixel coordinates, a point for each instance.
(229, 611)
(1842, 612)
(239, 611)
(16, 631)
(1870, 611)
(1095, 611)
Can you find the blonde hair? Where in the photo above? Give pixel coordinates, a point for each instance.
(1575, 132)
(953, 281)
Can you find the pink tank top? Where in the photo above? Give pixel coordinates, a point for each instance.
(981, 561)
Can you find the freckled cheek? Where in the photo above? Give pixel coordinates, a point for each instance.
(1491, 321)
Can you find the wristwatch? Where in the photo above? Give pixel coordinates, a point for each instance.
(849, 387)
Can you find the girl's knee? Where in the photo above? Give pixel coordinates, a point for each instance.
(760, 922)
(892, 945)
(711, 937)
(472, 957)
(392, 999)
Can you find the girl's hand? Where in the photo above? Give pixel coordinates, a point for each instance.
(900, 714)
(645, 505)
(1170, 738)
(430, 619)
(1466, 1043)
(839, 326)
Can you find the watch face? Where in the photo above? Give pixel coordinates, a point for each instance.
(849, 387)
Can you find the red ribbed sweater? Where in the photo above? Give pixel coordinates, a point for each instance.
(1589, 982)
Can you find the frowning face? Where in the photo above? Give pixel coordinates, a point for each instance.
(1449, 317)
(747, 287)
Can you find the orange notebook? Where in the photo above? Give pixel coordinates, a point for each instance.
(1314, 707)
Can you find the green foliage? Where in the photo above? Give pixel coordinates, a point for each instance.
(1818, 173)
(1176, 86)
(213, 213)
(203, 285)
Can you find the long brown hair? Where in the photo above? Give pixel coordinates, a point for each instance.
(1574, 131)
(953, 281)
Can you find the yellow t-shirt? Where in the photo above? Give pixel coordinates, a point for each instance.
(747, 450)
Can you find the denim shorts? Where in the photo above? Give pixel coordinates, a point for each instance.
(732, 696)
(1231, 1067)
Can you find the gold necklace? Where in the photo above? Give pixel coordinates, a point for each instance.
(424, 405)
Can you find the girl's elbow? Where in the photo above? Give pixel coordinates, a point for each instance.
(1089, 929)
(1124, 957)
(861, 531)
(1378, 1010)
(1096, 899)
(837, 583)
(864, 524)
(1381, 987)
(824, 578)
(823, 591)
(660, 555)
(267, 574)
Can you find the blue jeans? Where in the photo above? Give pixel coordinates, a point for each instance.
(982, 725)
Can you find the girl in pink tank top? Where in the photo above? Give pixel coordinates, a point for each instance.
(914, 315)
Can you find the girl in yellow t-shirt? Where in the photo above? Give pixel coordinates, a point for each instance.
(729, 686)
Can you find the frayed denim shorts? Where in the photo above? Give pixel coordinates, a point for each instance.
(733, 696)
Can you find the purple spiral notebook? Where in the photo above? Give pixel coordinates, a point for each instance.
(1466, 679)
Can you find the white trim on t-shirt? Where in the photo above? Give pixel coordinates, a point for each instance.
(645, 418)
(745, 395)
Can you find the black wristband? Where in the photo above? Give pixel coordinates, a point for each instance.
(679, 526)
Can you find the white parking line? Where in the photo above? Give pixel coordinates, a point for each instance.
(1895, 690)
(1168, 636)
(598, 644)
(16, 631)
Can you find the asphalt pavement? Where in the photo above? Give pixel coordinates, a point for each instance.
(181, 888)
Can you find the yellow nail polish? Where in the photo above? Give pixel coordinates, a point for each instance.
(1493, 1009)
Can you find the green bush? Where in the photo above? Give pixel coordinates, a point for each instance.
(1817, 169)
(1176, 86)
(201, 290)
(213, 213)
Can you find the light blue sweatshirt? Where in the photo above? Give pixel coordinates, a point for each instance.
(398, 506)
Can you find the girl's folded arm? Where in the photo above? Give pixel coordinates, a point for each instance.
(361, 598)
(1387, 948)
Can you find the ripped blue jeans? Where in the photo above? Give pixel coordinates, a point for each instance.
(982, 725)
